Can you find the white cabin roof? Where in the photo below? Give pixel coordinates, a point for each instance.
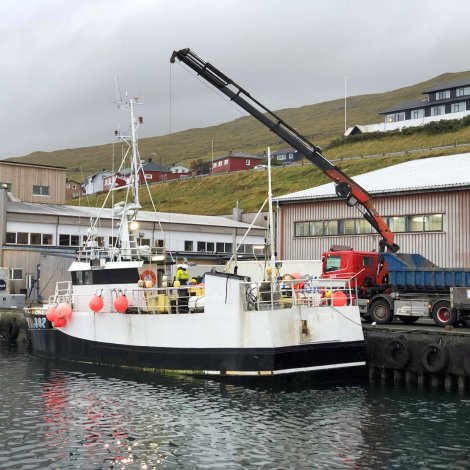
(149, 216)
(429, 174)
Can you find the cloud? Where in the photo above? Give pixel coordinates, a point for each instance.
(59, 59)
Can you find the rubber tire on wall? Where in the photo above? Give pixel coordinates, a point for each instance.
(12, 331)
(441, 358)
(452, 320)
(385, 308)
(466, 362)
(397, 360)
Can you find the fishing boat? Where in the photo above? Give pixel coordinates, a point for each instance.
(225, 326)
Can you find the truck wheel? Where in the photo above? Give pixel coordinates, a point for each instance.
(408, 320)
(443, 314)
(380, 312)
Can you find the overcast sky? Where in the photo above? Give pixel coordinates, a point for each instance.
(59, 59)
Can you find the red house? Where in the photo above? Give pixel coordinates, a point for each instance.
(151, 172)
(235, 162)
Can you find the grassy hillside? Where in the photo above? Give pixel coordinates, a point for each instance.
(218, 194)
(321, 123)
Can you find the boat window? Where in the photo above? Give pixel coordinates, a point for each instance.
(332, 263)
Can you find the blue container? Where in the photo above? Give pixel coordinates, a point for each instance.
(413, 271)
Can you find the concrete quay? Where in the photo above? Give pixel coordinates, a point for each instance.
(419, 354)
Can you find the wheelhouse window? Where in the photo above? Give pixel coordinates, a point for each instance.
(41, 190)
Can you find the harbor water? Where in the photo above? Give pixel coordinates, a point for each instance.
(61, 415)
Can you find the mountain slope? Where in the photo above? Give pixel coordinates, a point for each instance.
(320, 123)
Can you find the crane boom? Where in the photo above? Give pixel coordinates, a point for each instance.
(345, 187)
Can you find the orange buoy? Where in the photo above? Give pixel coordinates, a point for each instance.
(121, 303)
(51, 314)
(60, 322)
(64, 310)
(339, 298)
(96, 303)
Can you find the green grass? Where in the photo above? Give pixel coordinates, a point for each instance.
(218, 194)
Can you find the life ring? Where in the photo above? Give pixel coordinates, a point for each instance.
(149, 276)
(434, 358)
(397, 354)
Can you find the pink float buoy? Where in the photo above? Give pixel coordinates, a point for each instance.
(96, 303)
(51, 314)
(338, 298)
(121, 303)
(60, 322)
(64, 310)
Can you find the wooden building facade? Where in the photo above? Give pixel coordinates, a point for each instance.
(34, 183)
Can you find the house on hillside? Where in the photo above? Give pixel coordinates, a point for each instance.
(235, 162)
(286, 156)
(150, 172)
(450, 100)
(95, 183)
(424, 202)
(73, 189)
(179, 169)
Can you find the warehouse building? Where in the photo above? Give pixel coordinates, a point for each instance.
(39, 241)
(425, 203)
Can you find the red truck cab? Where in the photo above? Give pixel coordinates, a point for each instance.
(362, 267)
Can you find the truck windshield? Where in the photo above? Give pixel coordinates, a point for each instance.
(332, 263)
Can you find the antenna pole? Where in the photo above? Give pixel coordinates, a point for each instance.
(135, 163)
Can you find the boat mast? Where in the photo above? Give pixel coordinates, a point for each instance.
(270, 220)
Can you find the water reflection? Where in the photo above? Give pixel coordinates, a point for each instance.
(69, 416)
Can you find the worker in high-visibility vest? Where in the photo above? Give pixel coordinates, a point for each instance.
(182, 275)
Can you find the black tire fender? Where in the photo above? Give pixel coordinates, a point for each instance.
(466, 361)
(12, 331)
(434, 358)
(397, 354)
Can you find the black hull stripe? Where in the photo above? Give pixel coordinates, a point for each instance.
(55, 344)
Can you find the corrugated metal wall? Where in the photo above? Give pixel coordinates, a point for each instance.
(450, 248)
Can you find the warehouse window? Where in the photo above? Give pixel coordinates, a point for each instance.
(397, 224)
(16, 274)
(41, 190)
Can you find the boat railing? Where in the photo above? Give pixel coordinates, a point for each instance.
(91, 254)
(312, 292)
(267, 295)
(62, 294)
(184, 299)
